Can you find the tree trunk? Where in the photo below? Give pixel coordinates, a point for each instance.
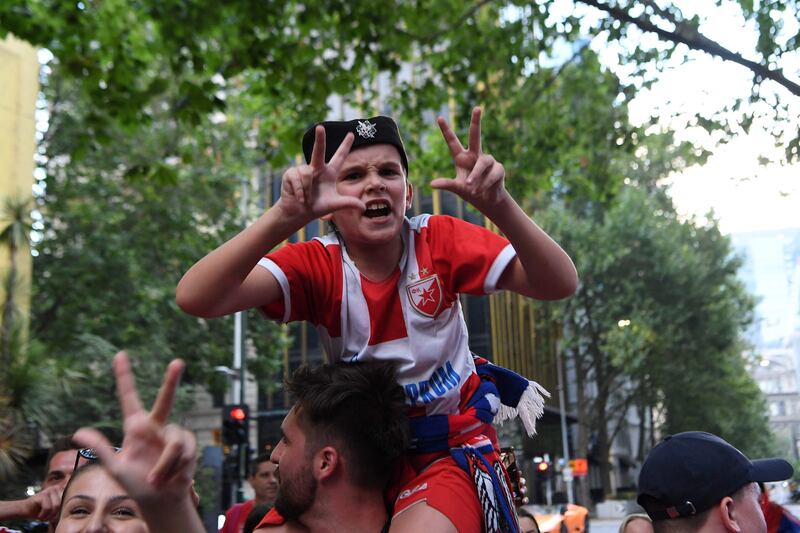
(641, 413)
(600, 419)
(603, 451)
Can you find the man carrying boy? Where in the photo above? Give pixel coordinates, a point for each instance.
(340, 446)
(385, 287)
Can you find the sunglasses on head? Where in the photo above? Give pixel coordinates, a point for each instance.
(90, 455)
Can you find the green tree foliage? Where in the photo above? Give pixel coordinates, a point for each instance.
(122, 223)
(111, 46)
(655, 325)
(15, 438)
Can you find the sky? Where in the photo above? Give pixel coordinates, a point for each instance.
(744, 195)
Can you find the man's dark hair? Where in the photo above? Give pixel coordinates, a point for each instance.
(256, 462)
(60, 444)
(360, 409)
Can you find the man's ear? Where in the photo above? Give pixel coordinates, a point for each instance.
(326, 461)
(409, 194)
(729, 514)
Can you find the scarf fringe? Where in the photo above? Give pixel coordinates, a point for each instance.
(529, 408)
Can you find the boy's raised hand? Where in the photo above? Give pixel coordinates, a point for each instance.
(479, 177)
(310, 190)
(157, 461)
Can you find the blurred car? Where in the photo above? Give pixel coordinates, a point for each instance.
(568, 518)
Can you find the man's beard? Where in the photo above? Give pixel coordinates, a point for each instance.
(296, 495)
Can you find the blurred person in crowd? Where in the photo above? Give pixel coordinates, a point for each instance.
(264, 480)
(636, 523)
(60, 463)
(779, 519)
(342, 442)
(44, 505)
(527, 522)
(697, 482)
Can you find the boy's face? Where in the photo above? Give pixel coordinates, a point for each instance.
(374, 174)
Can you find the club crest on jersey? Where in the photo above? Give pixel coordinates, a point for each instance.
(425, 295)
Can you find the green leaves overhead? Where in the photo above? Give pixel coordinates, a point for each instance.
(289, 56)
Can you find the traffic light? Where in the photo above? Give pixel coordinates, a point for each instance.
(235, 424)
(543, 469)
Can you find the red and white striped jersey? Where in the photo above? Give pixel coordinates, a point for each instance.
(413, 317)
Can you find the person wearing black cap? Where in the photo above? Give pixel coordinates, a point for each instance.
(383, 286)
(697, 482)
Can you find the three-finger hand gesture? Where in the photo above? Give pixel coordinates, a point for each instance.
(479, 177)
(157, 461)
(309, 191)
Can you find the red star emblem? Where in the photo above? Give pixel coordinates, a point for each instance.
(427, 296)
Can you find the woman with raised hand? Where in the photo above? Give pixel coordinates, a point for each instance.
(155, 467)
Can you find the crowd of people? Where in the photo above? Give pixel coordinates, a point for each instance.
(396, 432)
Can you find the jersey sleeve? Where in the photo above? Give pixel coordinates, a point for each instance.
(305, 274)
(472, 257)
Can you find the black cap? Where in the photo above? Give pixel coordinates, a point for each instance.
(688, 473)
(366, 131)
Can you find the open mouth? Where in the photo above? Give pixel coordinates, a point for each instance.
(378, 209)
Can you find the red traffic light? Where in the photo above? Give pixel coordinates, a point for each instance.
(543, 466)
(235, 419)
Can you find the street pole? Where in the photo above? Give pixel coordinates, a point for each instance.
(240, 318)
(237, 389)
(567, 471)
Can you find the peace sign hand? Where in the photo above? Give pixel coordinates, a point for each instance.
(157, 461)
(309, 191)
(479, 177)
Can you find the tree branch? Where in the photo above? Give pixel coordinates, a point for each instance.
(556, 73)
(687, 34)
(456, 23)
(662, 12)
(621, 411)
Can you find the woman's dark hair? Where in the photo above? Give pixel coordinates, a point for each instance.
(81, 470)
(524, 513)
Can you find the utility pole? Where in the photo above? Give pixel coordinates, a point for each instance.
(567, 471)
(237, 385)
